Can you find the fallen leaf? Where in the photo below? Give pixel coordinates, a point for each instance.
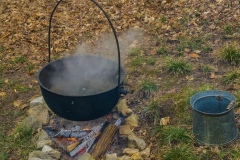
(215, 150)
(119, 27)
(237, 111)
(9, 132)
(17, 103)
(30, 72)
(23, 106)
(187, 50)
(204, 151)
(34, 81)
(199, 149)
(197, 51)
(212, 26)
(152, 156)
(189, 78)
(150, 145)
(164, 121)
(194, 55)
(194, 23)
(212, 76)
(171, 91)
(153, 52)
(3, 94)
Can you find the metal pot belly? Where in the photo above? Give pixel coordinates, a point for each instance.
(75, 107)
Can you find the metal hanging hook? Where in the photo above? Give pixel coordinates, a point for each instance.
(219, 98)
(110, 23)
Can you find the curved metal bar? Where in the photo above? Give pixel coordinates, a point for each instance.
(113, 30)
(49, 31)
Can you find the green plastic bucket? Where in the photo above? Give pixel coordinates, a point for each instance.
(213, 117)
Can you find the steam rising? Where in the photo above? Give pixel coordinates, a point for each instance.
(92, 70)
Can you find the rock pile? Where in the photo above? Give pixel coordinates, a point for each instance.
(38, 116)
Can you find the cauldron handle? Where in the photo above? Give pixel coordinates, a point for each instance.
(121, 91)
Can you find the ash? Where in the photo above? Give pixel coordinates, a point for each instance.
(57, 124)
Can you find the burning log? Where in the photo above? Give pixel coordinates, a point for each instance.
(76, 133)
(87, 141)
(72, 146)
(105, 140)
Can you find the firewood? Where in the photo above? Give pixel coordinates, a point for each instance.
(72, 146)
(105, 139)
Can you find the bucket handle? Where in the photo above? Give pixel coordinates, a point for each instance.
(113, 30)
(230, 105)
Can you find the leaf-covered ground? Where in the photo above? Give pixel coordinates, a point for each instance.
(193, 32)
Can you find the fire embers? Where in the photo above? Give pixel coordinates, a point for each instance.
(95, 140)
(78, 141)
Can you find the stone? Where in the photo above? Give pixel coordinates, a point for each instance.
(136, 142)
(132, 120)
(46, 149)
(130, 151)
(86, 156)
(38, 154)
(136, 156)
(37, 101)
(212, 26)
(40, 112)
(36, 136)
(112, 156)
(124, 158)
(43, 143)
(42, 135)
(18, 103)
(122, 107)
(125, 130)
(51, 152)
(34, 158)
(126, 112)
(145, 153)
(31, 123)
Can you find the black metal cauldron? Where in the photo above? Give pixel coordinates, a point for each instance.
(67, 98)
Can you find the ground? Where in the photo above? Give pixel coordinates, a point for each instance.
(169, 49)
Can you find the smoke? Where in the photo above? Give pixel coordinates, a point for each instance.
(106, 46)
(128, 40)
(94, 68)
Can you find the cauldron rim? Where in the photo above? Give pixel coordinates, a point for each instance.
(77, 96)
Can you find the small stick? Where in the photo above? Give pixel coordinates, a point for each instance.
(230, 105)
